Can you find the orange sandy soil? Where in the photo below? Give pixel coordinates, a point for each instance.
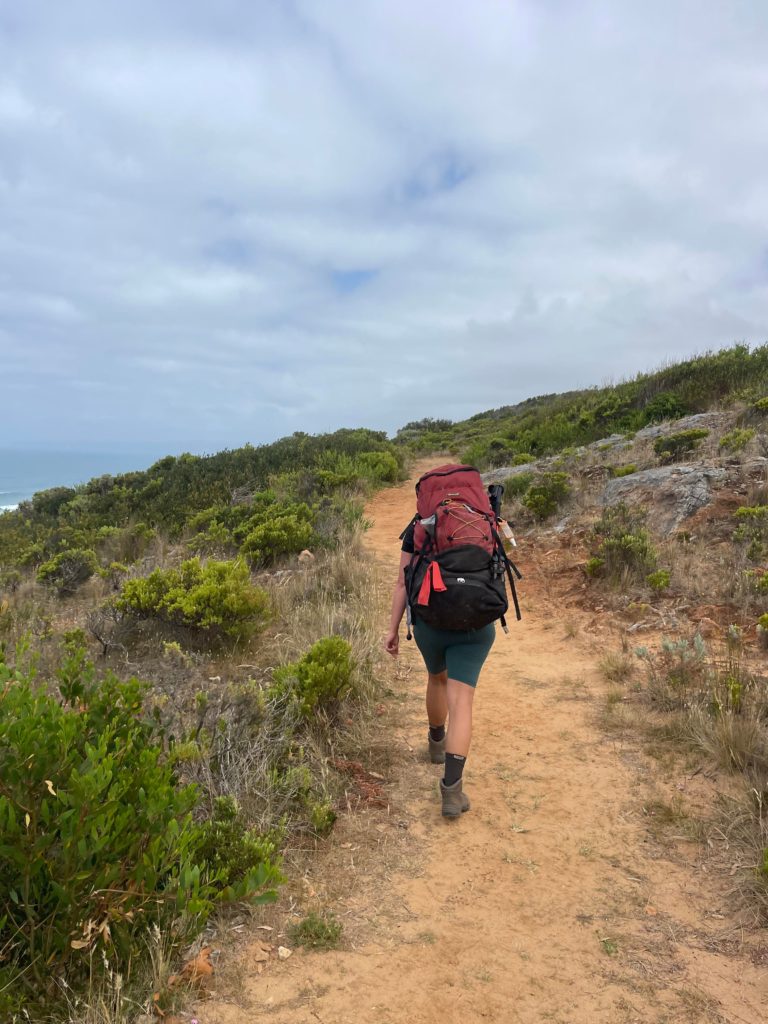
(554, 898)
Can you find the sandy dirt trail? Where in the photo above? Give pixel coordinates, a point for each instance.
(548, 901)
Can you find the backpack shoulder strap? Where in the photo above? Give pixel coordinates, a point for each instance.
(408, 527)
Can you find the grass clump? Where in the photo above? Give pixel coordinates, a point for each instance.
(676, 446)
(616, 666)
(736, 440)
(217, 599)
(317, 931)
(547, 494)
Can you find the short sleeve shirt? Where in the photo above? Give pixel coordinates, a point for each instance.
(408, 545)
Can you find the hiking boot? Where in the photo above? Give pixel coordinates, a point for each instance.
(455, 802)
(436, 750)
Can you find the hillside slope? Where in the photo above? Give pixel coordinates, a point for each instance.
(553, 899)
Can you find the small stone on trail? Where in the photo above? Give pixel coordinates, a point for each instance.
(283, 952)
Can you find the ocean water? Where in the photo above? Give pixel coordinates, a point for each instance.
(22, 473)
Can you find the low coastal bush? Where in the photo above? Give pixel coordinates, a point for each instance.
(736, 440)
(319, 679)
(216, 598)
(547, 494)
(659, 580)
(627, 470)
(676, 446)
(67, 570)
(624, 548)
(100, 843)
(752, 530)
(284, 533)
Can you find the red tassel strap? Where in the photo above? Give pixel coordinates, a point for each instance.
(433, 580)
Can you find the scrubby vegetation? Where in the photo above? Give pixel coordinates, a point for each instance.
(99, 838)
(623, 548)
(550, 423)
(153, 802)
(676, 446)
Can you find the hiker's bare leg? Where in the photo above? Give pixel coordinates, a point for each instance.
(437, 698)
(460, 696)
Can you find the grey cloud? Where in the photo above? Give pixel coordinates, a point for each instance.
(222, 224)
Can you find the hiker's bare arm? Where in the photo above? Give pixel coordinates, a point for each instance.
(392, 642)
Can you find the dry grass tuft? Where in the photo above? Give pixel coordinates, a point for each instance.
(617, 666)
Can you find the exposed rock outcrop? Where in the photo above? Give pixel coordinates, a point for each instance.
(673, 493)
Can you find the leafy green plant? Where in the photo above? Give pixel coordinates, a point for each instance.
(547, 494)
(627, 470)
(285, 533)
(659, 580)
(319, 679)
(67, 570)
(753, 530)
(761, 405)
(736, 440)
(762, 630)
(517, 485)
(675, 446)
(98, 841)
(624, 546)
(317, 931)
(523, 459)
(217, 598)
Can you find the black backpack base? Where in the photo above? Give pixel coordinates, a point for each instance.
(467, 591)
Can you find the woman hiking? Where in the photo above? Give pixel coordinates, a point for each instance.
(451, 577)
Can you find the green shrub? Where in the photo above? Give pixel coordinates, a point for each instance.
(378, 467)
(736, 440)
(229, 847)
(322, 817)
(317, 931)
(285, 533)
(664, 406)
(627, 470)
(545, 496)
(518, 485)
(624, 546)
(594, 566)
(675, 446)
(758, 581)
(659, 580)
(762, 630)
(319, 679)
(67, 570)
(98, 841)
(213, 539)
(522, 459)
(10, 581)
(753, 530)
(217, 598)
(761, 405)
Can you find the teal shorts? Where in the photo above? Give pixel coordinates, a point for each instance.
(461, 652)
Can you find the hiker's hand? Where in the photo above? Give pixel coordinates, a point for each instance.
(392, 643)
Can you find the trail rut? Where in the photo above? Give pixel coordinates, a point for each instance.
(549, 901)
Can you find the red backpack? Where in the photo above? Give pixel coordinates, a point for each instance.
(456, 577)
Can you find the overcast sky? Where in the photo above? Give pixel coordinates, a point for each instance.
(226, 222)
